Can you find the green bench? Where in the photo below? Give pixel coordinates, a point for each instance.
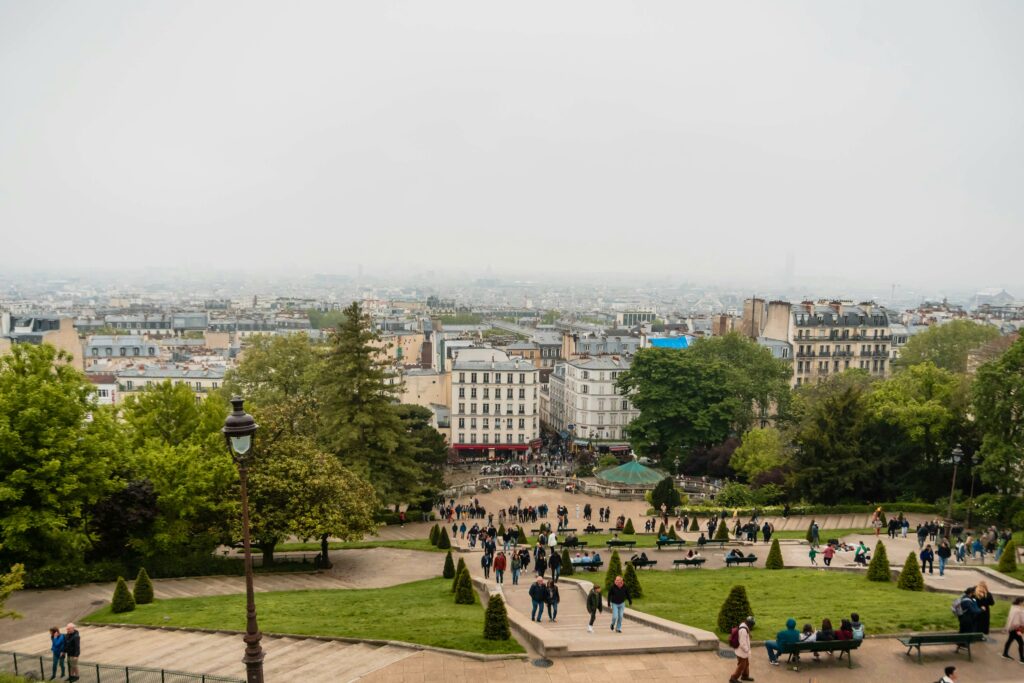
(720, 544)
(679, 543)
(830, 646)
(621, 544)
(589, 566)
(749, 559)
(689, 562)
(958, 639)
(639, 563)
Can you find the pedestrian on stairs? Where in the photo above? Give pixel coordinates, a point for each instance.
(618, 595)
(594, 605)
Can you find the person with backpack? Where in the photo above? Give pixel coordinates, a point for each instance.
(739, 640)
(858, 628)
(966, 611)
(594, 606)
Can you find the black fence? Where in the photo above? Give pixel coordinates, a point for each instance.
(38, 667)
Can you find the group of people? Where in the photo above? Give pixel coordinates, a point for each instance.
(65, 646)
(973, 609)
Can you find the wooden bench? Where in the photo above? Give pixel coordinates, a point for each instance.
(720, 544)
(749, 559)
(577, 544)
(629, 545)
(595, 530)
(840, 646)
(679, 543)
(958, 639)
(639, 563)
(590, 566)
(689, 562)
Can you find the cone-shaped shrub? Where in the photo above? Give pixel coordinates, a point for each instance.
(143, 589)
(496, 620)
(464, 593)
(122, 600)
(458, 570)
(722, 533)
(444, 543)
(614, 569)
(774, 560)
(693, 524)
(628, 527)
(672, 533)
(632, 582)
(435, 533)
(1008, 560)
(522, 540)
(735, 609)
(566, 569)
(878, 570)
(449, 566)
(501, 528)
(661, 528)
(911, 578)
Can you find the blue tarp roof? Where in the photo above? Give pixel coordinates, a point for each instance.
(680, 342)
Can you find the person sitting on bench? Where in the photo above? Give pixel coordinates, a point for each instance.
(642, 558)
(595, 558)
(590, 528)
(663, 537)
(702, 541)
(571, 540)
(736, 552)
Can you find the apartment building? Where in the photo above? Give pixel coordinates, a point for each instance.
(56, 330)
(584, 401)
(494, 400)
(201, 380)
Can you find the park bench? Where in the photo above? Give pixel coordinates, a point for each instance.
(574, 544)
(640, 563)
(719, 544)
(958, 639)
(595, 530)
(677, 543)
(830, 646)
(689, 562)
(749, 559)
(589, 566)
(613, 543)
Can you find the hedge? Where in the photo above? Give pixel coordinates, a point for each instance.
(496, 626)
(143, 589)
(735, 609)
(879, 570)
(122, 600)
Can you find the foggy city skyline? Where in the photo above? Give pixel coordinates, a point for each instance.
(794, 144)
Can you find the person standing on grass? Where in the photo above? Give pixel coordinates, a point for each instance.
(594, 605)
(57, 649)
(742, 650)
(73, 649)
(538, 598)
(618, 596)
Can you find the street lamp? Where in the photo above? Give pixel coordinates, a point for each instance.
(957, 455)
(238, 431)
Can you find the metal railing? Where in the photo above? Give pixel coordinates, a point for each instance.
(22, 664)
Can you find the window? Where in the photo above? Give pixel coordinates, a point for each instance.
(462, 437)
(472, 408)
(472, 438)
(103, 393)
(584, 388)
(487, 407)
(472, 377)
(508, 393)
(472, 392)
(522, 378)
(508, 378)
(487, 393)
(462, 422)
(586, 374)
(497, 423)
(124, 351)
(522, 438)
(625, 405)
(508, 423)
(487, 378)
(486, 437)
(152, 351)
(472, 422)
(462, 377)
(497, 378)
(508, 438)
(95, 351)
(462, 408)
(128, 384)
(136, 351)
(522, 423)
(522, 409)
(462, 392)
(522, 393)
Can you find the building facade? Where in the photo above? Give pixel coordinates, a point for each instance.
(585, 402)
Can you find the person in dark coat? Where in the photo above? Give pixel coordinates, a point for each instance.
(73, 649)
(539, 597)
(594, 605)
(985, 603)
(541, 565)
(969, 612)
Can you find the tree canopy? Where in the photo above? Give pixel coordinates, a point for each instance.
(946, 345)
(999, 410)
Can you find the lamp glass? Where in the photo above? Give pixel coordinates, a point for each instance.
(241, 444)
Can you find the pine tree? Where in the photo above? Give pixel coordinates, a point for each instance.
(458, 572)
(722, 532)
(665, 492)
(628, 528)
(1008, 560)
(122, 600)
(449, 566)
(444, 543)
(672, 532)
(464, 593)
(522, 539)
(143, 589)
(911, 578)
(614, 569)
(632, 582)
(435, 534)
(694, 526)
(496, 626)
(774, 560)
(661, 529)
(567, 568)
(735, 609)
(879, 570)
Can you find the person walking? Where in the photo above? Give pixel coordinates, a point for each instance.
(485, 562)
(517, 565)
(73, 650)
(553, 599)
(985, 601)
(540, 565)
(618, 596)
(57, 649)
(555, 565)
(500, 562)
(828, 553)
(928, 559)
(594, 605)
(1014, 629)
(742, 650)
(539, 598)
(944, 552)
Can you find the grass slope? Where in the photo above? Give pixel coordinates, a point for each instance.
(807, 595)
(418, 612)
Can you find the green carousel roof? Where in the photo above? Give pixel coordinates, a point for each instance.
(631, 474)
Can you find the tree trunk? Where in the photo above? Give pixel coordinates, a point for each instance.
(325, 560)
(268, 553)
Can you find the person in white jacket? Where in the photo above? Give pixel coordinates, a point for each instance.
(1014, 628)
(742, 672)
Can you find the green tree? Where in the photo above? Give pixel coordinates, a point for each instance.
(735, 609)
(632, 582)
(999, 411)
(461, 567)
(464, 593)
(12, 581)
(567, 568)
(496, 626)
(122, 600)
(910, 578)
(59, 455)
(1007, 561)
(142, 591)
(435, 534)
(425, 445)
(694, 526)
(878, 568)
(947, 345)
(449, 566)
(627, 528)
(722, 531)
(614, 569)
(322, 320)
(774, 560)
(762, 450)
(521, 537)
(665, 493)
(443, 542)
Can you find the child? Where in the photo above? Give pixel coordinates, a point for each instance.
(813, 554)
(858, 628)
(828, 554)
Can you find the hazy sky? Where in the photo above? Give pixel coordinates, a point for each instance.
(877, 141)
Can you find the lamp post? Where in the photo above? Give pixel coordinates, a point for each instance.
(238, 431)
(957, 455)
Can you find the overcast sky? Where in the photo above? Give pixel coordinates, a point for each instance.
(875, 141)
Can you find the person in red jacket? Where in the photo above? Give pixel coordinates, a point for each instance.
(500, 562)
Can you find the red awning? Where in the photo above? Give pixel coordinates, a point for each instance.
(618, 449)
(487, 446)
(536, 443)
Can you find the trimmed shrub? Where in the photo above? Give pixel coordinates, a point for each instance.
(464, 593)
(661, 529)
(735, 609)
(774, 560)
(567, 568)
(672, 532)
(911, 578)
(632, 582)
(879, 570)
(435, 534)
(449, 566)
(522, 540)
(458, 572)
(444, 543)
(722, 533)
(694, 526)
(496, 625)
(627, 528)
(1008, 560)
(614, 569)
(143, 589)
(665, 492)
(122, 600)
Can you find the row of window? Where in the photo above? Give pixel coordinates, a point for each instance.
(611, 403)
(497, 393)
(486, 438)
(875, 365)
(585, 374)
(497, 423)
(130, 384)
(486, 376)
(841, 334)
(108, 351)
(497, 409)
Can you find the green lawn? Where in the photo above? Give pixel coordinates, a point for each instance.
(419, 612)
(694, 596)
(413, 544)
(823, 534)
